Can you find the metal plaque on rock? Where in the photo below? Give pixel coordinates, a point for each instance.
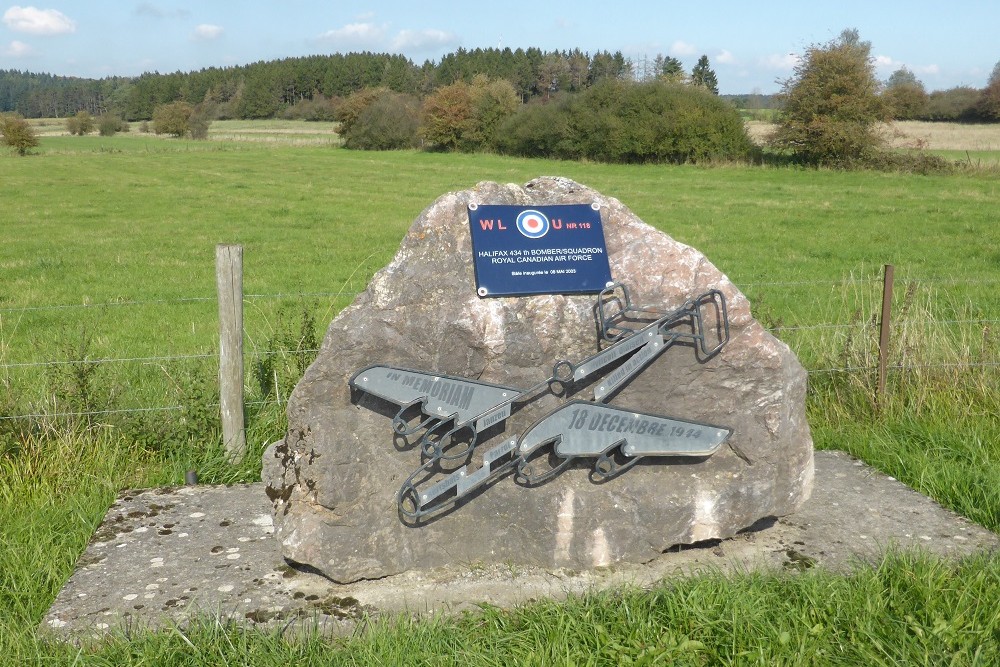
(541, 250)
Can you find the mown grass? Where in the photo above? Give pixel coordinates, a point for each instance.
(115, 220)
(108, 251)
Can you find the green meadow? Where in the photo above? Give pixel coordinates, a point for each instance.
(108, 336)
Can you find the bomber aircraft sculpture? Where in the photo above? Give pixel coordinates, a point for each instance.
(453, 411)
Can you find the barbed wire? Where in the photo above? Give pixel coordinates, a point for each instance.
(268, 353)
(805, 327)
(93, 413)
(179, 300)
(105, 304)
(873, 281)
(906, 367)
(863, 324)
(279, 402)
(177, 357)
(78, 362)
(99, 413)
(296, 295)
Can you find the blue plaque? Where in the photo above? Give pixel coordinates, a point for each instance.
(538, 250)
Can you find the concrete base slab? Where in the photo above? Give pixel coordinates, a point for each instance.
(161, 556)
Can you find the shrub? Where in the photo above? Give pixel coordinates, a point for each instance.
(319, 108)
(390, 122)
(912, 162)
(199, 122)
(954, 104)
(618, 121)
(906, 102)
(17, 133)
(82, 123)
(173, 118)
(109, 124)
(539, 129)
(349, 111)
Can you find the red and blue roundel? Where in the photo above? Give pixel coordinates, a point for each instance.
(533, 224)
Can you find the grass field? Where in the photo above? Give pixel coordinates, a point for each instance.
(108, 254)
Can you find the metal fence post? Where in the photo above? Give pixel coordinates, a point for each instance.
(883, 337)
(229, 281)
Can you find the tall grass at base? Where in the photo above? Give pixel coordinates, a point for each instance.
(936, 426)
(54, 492)
(53, 495)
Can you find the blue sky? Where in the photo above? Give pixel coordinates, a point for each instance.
(750, 45)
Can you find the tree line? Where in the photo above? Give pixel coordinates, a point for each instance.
(566, 105)
(302, 87)
(269, 88)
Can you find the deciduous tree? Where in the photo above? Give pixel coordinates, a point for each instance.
(624, 122)
(988, 106)
(904, 95)
(447, 116)
(493, 102)
(553, 75)
(832, 106)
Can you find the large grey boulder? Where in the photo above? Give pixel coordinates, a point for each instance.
(334, 477)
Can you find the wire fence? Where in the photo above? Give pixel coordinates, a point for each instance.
(863, 325)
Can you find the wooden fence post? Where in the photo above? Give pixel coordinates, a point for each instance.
(229, 281)
(883, 337)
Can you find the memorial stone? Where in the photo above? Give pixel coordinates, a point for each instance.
(336, 479)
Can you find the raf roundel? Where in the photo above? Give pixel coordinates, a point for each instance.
(533, 224)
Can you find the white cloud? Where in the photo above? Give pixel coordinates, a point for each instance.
(418, 40)
(780, 61)
(36, 21)
(206, 31)
(152, 11)
(17, 49)
(886, 61)
(355, 33)
(725, 58)
(680, 48)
